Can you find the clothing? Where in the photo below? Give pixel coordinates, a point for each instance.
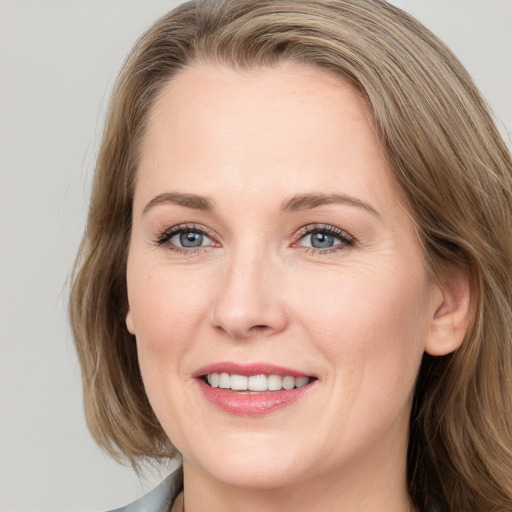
(161, 498)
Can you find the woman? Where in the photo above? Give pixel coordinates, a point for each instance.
(296, 269)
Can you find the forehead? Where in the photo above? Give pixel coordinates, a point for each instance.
(289, 126)
(262, 102)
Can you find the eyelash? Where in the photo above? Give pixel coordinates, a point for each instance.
(183, 228)
(346, 241)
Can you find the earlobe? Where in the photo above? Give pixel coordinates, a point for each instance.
(452, 314)
(129, 322)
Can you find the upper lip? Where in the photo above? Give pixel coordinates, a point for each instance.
(248, 369)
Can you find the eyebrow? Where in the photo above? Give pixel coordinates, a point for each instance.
(192, 201)
(309, 201)
(295, 203)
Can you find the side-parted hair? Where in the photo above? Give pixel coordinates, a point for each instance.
(446, 155)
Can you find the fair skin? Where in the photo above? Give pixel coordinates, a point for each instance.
(333, 288)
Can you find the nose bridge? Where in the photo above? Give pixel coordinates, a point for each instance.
(248, 301)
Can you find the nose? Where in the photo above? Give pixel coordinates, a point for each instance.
(250, 301)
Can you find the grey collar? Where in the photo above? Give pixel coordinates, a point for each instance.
(161, 498)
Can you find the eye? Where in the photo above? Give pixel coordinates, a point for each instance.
(183, 238)
(325, 239)
(189, 239)
(320, 240)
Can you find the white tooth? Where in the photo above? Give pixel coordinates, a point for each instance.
(274, 382)
(213, 379)
(224, 381)
(209, 379)
(238, 382)
(257, 383)
(288, 382)
(301, 381)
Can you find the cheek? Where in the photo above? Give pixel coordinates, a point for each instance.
(167, 307)
(370, 323)
(371, 330)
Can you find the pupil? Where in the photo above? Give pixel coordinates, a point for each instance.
(322, 240)
(191, 239)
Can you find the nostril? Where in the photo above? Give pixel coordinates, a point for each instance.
(255, 329)
(240, 333)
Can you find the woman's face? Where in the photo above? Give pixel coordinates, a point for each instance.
(270, 241)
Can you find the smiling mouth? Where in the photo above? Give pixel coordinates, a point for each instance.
(254, 383)
(253, 389)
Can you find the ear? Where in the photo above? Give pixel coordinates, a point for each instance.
(452, 313)
(129, 321)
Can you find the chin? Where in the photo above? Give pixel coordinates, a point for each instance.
(257, 476)
(259, 466)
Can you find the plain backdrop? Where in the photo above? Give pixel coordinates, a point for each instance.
(58, 62)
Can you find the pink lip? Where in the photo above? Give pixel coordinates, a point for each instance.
(248, 369)
(250, 403)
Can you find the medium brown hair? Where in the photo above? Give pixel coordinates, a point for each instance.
(448, 158)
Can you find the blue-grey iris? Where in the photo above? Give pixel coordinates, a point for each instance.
(191, 239)
(321, 240)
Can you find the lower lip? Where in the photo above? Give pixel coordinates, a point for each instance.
(251, 403)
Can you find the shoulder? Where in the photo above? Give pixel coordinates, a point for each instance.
(160, 499)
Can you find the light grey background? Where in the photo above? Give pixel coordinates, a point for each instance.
(58, 61)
